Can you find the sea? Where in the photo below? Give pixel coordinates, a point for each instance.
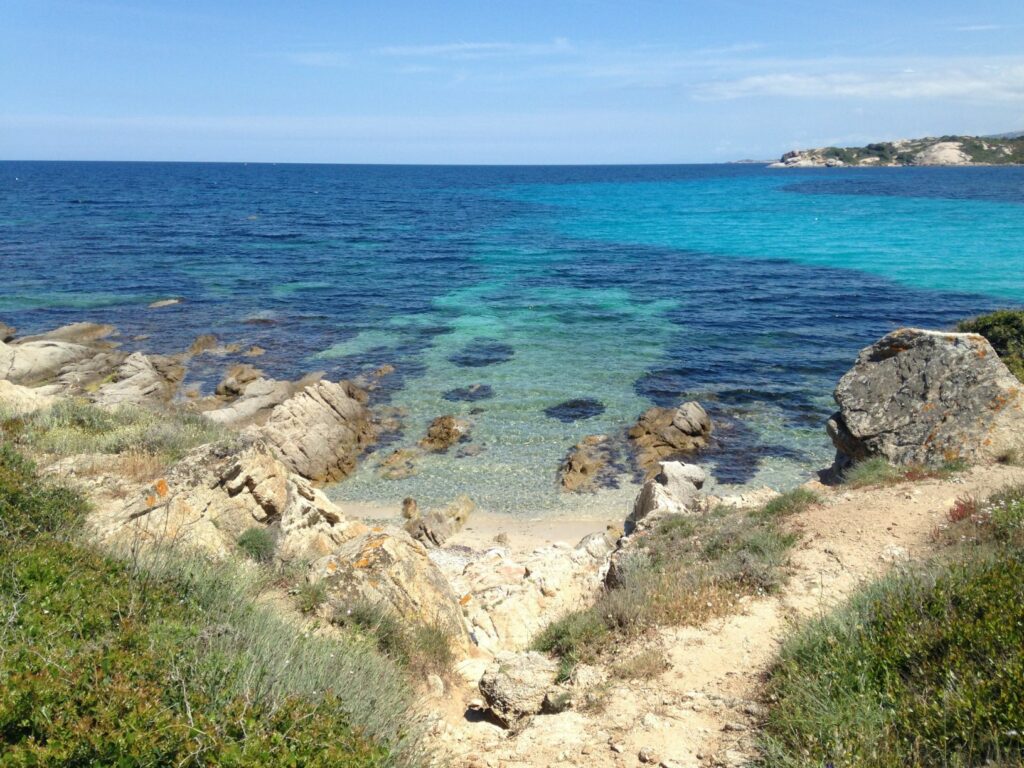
(542, 304)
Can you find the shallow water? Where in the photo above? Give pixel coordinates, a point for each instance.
(747, 288)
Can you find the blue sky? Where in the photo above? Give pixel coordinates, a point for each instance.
(562, 81)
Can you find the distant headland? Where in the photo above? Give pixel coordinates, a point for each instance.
(1004, 149)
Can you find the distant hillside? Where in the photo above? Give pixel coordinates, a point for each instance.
(946, 150)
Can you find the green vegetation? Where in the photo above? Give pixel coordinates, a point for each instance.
(686, 569)
(878, 471)
(923, 668)
(147, 440)
(992, 151)
(421, 648)
(1004, 330)
(258, 544)
(169, 660)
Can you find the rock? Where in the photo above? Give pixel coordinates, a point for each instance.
(320, 431)
(588, 466)
(399, 464)
(16, 400)
(572, 411)
(508, 601)
(927, 397)
(410, 509)
(438, 526)
(665, 433)
(470, 394)
(258, 400)
(390, 570)
(142, 379)
(164, 303)
(75, 333)
(255, 351)
(203, 343)
(682, 481)
(33, 362)
(236, 379)
(7, 332)
(647, 755)
(516, 685)
(216, 493)
(443, 433)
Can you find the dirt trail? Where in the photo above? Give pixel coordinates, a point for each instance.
(704, 709)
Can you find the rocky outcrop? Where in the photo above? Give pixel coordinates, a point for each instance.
(435, 527)
(35, 362)
(443, 433)
(588, 466)
(142, 379)
(508, 600)
(75, 333)
(669, 433)
(257, 401)
(16, 400)
(927, 397)
(320, 431)
(399, 464)
(216, 493)
(392, 571)
(7, 332)
(517, 685)
(675, 490)
(946, 150)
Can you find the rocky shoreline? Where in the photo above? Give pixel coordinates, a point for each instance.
(944, 151)
(915, 398)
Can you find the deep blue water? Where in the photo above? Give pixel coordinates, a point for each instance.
(748, 288)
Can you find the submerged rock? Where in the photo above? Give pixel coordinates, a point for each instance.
(482, 352)
(927, 397)
(588, 466)
(470, 394)
(668, 433)
(399, 464)
(575, 410)
(320, 431)
(443, 433)
(161, 303)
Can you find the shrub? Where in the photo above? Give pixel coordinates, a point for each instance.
(878, 471)
(258, 544)
(28, 506)
(311, 595)
(170, 661)
(685, 570)
(920, 669)
(1004, 330)
(74, 426)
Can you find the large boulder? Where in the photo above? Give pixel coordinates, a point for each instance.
(392, 571)
(75, 333)
(517, 685)
(216, 493)
(34, 362)
(320, 431)
(669, 433)
(257, 401)
(7, 332)
(927, 397)
(435, 527)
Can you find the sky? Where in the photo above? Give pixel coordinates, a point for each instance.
(480, 81)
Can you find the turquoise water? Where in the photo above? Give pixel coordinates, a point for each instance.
(746, 288)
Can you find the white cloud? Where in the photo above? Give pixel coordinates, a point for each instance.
(471, 50)
(978, 80)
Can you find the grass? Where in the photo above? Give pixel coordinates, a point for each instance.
(422, 649)
(1004, 330)
(146, 440)
(923, 668)
(258, 544)
(684, 571)
(166, 659)
(878, 471)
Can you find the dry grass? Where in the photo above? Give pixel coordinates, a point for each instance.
(644, 665)
(879, 472)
